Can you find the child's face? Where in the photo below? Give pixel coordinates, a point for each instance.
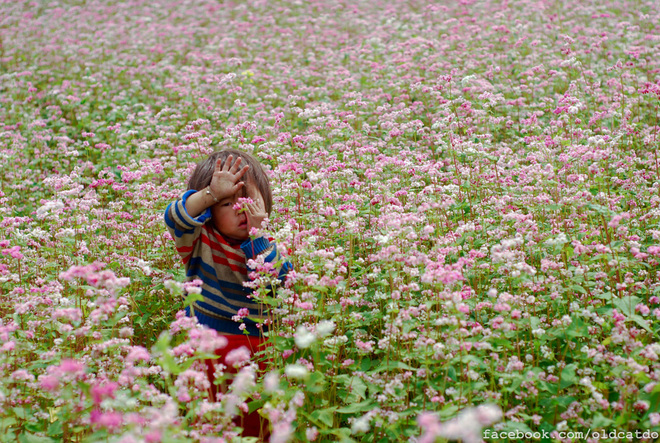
(232, 222)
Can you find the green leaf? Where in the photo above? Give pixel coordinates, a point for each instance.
(20, 412)
(31, 438)
(577, 328)
(599, 422)
(626, 305)
(166, 360)
(515, 426)
(451, 373)
(392, 365)
(55, 429)
(344, 435)
(548, 387)
(255, 405)
(364, 406)
(325, 416)
(578, 288)
(448, 412)
(568, 376)
(316, 382)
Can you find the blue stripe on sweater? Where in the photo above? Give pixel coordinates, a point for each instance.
(172, 225)
(183, 220)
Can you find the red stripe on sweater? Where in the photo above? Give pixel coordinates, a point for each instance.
(223, 261)
(223, 249)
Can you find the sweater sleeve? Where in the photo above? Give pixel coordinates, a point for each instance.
(184, 229)
(261, 246)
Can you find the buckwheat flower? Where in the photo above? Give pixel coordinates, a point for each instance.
(71, 367)
(22, 375)
(174, 287)
(109, 420)
(271, 381)
(311, 433)
(430, 425)
(137, 353)
(49, 382)
(466, 426)
(236, 357)
(193, 287)
(243, 381)
(641, 406)
(325, 328)
(14, 251)
(303, 337)
(154, 436)
(296, 371)
(102, 391)
(242, 202)
(361, 425)
(654, 418)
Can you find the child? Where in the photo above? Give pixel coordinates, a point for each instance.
(212, 235)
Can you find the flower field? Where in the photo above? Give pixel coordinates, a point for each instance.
(469, 193)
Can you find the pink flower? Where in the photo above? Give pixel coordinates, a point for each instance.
(14, 251)
(655, 419)
(109, 420)
(71, 367)
(311, 433)
(242, 201)
(237, 356)
(48, 382)
(101, 391)
(153, 437)
(137, 353)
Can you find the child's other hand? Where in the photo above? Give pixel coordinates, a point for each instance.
(256, 213)
(226, 177)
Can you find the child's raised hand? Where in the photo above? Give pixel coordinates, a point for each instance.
(226, 177)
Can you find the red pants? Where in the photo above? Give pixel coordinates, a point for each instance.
(253, 424)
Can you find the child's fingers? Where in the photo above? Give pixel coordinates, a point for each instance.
(218, 165)
(261, 205)
(238, 175)
(236, 165)
(237, 187)
(227, 164)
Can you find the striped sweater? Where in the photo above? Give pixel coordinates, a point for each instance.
(221, 266)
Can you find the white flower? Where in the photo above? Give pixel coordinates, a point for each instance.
(271, 381)
(361, 425)
(325, 328)
(303, 337)
(296, 371)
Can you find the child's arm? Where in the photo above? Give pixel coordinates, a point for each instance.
(184, 228)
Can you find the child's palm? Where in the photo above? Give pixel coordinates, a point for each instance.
(226, 178)
(256, 213)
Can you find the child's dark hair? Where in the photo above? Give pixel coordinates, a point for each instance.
(201, 176)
